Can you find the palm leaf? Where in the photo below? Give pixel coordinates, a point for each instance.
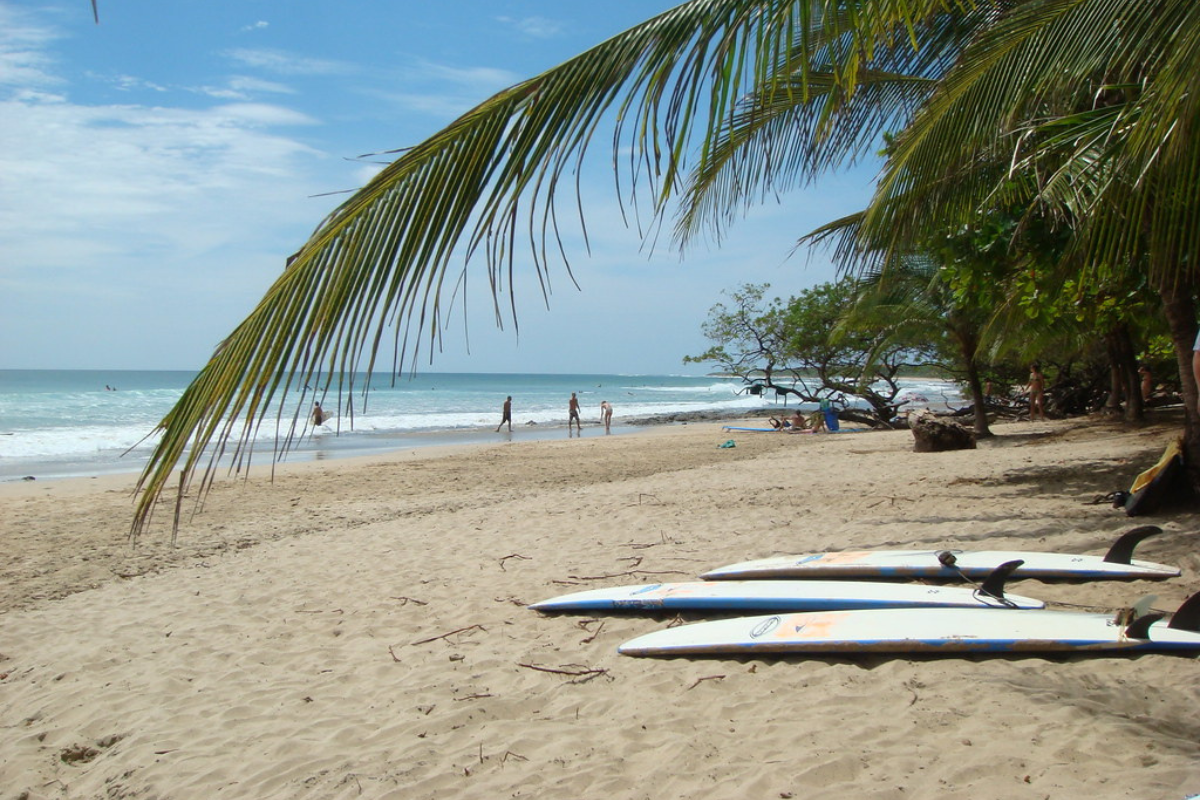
(381, 264)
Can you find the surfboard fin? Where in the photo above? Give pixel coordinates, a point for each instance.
(1187, 617)
(1140, 627)
(994, 585)
(1137, 619)
(1122, 550)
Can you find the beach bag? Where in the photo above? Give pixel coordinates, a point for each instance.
(831, 417)
(1156, 486)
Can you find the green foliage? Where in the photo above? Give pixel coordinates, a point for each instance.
(808, 347)
(1089, 106)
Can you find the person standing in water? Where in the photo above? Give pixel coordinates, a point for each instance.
(506, 415)
(573, 415)
(606, 415)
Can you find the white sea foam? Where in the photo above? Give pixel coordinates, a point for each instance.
(72, 423)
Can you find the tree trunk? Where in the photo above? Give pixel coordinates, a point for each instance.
(1123, 355)
(969, 346)
(1180, 310)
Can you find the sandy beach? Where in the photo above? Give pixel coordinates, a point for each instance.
(357, 629)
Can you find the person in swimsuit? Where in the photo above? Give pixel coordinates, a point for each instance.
(1037, 393)
(573, 414)
(506, 415)
(606, 415)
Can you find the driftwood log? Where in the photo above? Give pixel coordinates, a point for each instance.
(934, 435)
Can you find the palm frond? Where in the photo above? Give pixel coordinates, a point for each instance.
(381, 264)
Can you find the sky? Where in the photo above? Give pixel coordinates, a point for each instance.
(157, 168)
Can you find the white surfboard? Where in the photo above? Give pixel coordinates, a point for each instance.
(943, 631)
(761, 596)
(954, 564)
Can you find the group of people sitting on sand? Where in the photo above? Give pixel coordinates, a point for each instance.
(798, 423)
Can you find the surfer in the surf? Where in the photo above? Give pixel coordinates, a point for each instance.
(506, 415)
(573, 415)
(318, 414)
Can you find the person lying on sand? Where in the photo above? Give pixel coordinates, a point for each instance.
(793, 424)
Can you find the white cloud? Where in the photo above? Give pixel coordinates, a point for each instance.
(241, 87)
(284, 63)
(127, 83)
(452, 90)
(23, 60)
(257, 26)
(535, 27)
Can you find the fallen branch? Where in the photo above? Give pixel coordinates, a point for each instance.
(512, 555)
(472, 697)
(591, 638)
(629, 574)
(706, 678)
(584, 672)
(451, 633)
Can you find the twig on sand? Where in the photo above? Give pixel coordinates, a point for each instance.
(706, 678)
(628, 574)
(580, 673)
(479, 696)
(451, 633)
(596, 633)
(512, 555)
(406, 600)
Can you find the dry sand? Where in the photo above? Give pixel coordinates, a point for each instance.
(356, 629)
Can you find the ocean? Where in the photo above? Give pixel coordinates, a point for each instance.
(72, 423)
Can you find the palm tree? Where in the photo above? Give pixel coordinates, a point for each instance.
(1093, 105)
(379, 265)
(777, 82)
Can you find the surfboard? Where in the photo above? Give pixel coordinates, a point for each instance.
(789, 596)
(942, 631)
(1117, 564)
(751, 430)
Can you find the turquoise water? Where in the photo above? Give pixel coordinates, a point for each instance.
(75, 422)
(58, 423)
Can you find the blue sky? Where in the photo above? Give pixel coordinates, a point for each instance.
(156, 170)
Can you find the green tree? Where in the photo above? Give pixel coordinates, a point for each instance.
(764, 94)
(805, 347)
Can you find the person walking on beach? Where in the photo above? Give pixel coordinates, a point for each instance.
(606, 415)
(1037, 393)
(573, 415)
(506, 415)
